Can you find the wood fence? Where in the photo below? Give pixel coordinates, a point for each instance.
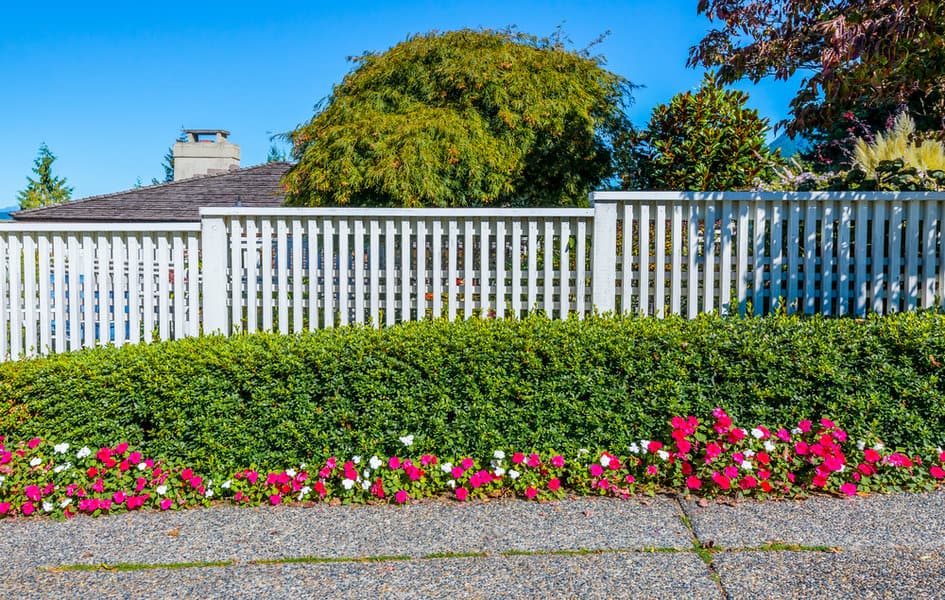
(66, 286)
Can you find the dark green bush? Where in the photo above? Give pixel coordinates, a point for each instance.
(474, 386)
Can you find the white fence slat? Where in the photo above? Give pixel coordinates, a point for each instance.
(564, 275)
(4, 314)
(810, 257)
(941, 254)
(45, 272)
(103, 249)
(861, 259)
(580, 274)
(390, 259)
(500, 300)
(148, 286)
(708, 273)
(30, 272)
(795, 247)
(692, 289)
(265, 289)
(359, 257)
(826, 258)
(912, 291)
(758, 258)
(282, 275)
(844, 259)
(436, 246)
(180, 306)
(311, 261)
(484, 249)
(73, 284)
(643, 274)
(776, 225)
(451, 273)
(626, 282)
(676, 263)
(120, 264)
(193, 282)
(251, 290)
(15, 249)
(894, 272)
(532, 264)
(725, 259)
(879, 256)
(236, 275)
(298, 282)
(421, 288)
(548, 287)
(133, 247)
(328, 273)
(344, 259)
(659, 274)
(517, 268)
(930, 224)
(375, 271)
(468, 273)
(164, 292)
(405, 269)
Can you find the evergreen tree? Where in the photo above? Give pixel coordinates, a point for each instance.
(46, 189)
(276, 154)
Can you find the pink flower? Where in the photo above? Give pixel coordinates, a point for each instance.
(140, 484)
(736, 435)
(461, 494)
(804, 426)
(848, 488)
(518, 458)
(98, 486)
(937, 472)
(427, 459)
(748, 482)
(4, 508)
(401, 496)
(683, 446)
(186, 474)
(33, 443)
(196, 481)
(870, 455)
(275, 499)
(393, 463)
(467, 463)
(840, 435)
(27, 508)
(554, 484)
(166, 503)
(457, 472)
(712, 450)
(596, 470)
(119, 497)
(120, 448)
(693, 482)
(32, 492)
(252, 476)
(801, 448)
(533, 460)
(557, 461)
(378, 488)
(654, 446)
(530, 492)
(721, 480)
(731, 471)
(827, 424)
(630, 479)
(784, 435)
(134, 458)
(652, 470)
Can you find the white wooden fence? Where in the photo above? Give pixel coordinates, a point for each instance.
(70, 286)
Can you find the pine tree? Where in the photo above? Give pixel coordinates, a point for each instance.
(276, 154)
(47, 189)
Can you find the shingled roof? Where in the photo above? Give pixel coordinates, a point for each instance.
(175, 201)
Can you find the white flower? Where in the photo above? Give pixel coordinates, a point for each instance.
(406, 440)
(302, 466)
(142, 466)
(604, 460)
(860, 445)
(36, 461)
(83, 452)
(582, 451)
(634, 448)
(61, 448)
(365, 484)
(769, 445)
(746, 465)
(749, 453)
(62, 467)
(291, 472)
(499, 454)
(161, 490)
(47, 506)
(226, 484)
(842, 468)
(757, 433)
(446, 467)
(347, 483)
(2, 479)
(65, 503)
(375, 462)
(796, 431)
(499, 472)
(645, 444)
(366, 473)
(879, 446)
(356, 460)
(513, 474)
(663, 454)
(208, 493)
(451, 483)
(304, 492)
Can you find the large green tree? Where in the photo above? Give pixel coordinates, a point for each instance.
(707, 140)
(868, 56)
(46, 189)
(463, 118)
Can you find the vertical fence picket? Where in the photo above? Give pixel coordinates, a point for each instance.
(758, 258)
(344, 259)
(659, 275)
(75, 287)
(548, 250)
(437, 257)
(281, 262)
(484, 287)
(298, 283)
(134, 290)
(676, 263)
(251, 290)
(328, 273)
(861, 259)
(929, 235)
(826, 258)
(193, 282)
(236, 274)
(643, 274)
(405, 269)
(532, 265)
(692, 300)
(177, 286)
(5, 314)
(879, 256)
(390, 306)
(469, 258)
(358, 257)
(708, 253)
(312, 262)
(912, 254)
(45, 274)
(844, 258)
(626, 274)
(894, 272)
(164, 292)
(776, 224)
(795, 247)
(564, 275)
(810, 257)
(451, 268)
(517, 268)
(30, 343)
(500, 301)
(148, 286)
(580, 274)
(15, 250)
(119, 264)
(725, 259)
(421, 288)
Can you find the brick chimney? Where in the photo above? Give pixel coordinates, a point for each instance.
(201, 154)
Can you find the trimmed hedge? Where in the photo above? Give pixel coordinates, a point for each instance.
(471, 387)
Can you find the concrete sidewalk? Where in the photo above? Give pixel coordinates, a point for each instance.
(663, 547)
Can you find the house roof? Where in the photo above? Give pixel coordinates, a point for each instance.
(174, 201)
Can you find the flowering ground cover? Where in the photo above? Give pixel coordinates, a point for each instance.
(711, 457)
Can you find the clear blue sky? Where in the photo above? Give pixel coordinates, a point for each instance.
(109, 85)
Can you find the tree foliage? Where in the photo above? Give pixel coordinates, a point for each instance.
(463, 118)
(871, 56)
(46, 189)
(708, 140)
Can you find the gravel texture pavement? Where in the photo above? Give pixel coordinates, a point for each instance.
(880, 547)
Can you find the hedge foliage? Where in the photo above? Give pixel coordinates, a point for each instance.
(475, 386)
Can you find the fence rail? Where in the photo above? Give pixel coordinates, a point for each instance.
(66, 286)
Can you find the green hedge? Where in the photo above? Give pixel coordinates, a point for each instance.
(474, 386)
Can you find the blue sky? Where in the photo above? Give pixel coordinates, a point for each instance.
(109, 85)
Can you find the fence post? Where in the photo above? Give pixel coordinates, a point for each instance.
(214, 255)
(604, 254)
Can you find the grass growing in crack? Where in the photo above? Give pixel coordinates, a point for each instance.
(141, 566)
(328, 559)
(781, 546)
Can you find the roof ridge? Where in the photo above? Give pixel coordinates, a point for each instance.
(152, 186)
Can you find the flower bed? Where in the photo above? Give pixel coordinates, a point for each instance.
(710, 459)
